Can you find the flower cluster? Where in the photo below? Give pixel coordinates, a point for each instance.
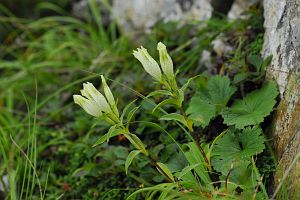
(104, 106)
(97, 104)
(151, 66)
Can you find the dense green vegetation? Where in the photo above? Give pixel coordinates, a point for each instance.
(46, 141)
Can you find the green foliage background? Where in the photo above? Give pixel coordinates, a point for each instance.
(46, 141)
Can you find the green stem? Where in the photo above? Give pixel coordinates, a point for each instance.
(154, 163)
(139, 179)
(196, 140)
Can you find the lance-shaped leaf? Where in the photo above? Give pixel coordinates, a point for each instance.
(175, 116)
(194, 156)
(136, 142)
(164, 170)
(165, 102)
(130, 115)
(186, 170)
(160, 92)
(126, 109)
(130, 158)
(113, 131)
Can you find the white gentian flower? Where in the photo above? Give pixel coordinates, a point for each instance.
(90, 92)
(149, 64)
(92, 101)
(165, 61)
(89, 106)
(109, 96)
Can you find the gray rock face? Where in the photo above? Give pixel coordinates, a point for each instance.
(220, 46)
(282, 40)
(141, 15)
(238, 7)
(81, 10)
(4, 185)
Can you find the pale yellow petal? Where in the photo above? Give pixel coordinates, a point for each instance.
(92, 93)
(149, 64)
(90, 107)
(165, 61)
(109, 96)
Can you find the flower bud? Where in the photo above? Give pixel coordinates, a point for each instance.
(109, 96)
(165, 61)
(149, 64)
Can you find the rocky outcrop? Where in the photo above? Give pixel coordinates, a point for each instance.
(282, 40)
(141, 15)
(239, 7)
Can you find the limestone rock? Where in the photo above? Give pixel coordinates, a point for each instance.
(80, 9)
(282, 40)
(220, 46)
(141, 15)
(4, 185)
(238, 7)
